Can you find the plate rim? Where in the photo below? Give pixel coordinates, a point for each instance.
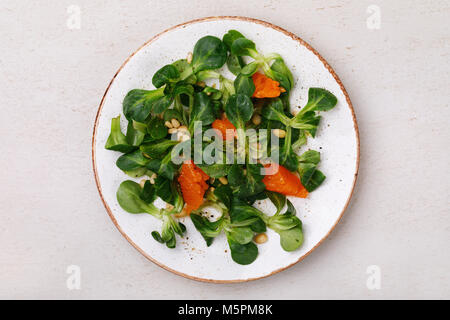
(216, 18)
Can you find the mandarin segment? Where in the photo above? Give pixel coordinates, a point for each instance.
(285, 182)
(266, 87)
(222, 125)
(193, 185)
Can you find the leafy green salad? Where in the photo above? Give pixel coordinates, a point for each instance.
(201, 140)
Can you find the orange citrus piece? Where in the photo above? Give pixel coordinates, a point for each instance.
(266, 87)
(285, 182)
(193, 186)
(222, 125)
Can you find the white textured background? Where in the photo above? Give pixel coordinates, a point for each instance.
(52, 79)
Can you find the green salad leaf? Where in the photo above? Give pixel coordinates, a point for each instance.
(135, 136)
(202, 111)
(209, 230)
(278, 200)
(138, 103)
(158, 148)
(129, 198)
(216, 170)
(282, 74)
(166, 75)
(246, 184)
(239, 110)
(310, 176)
(244, 85)
(132, 161)
(242, 253)
(117, 140)
(163, 166)
(209, 53)
(244, 47)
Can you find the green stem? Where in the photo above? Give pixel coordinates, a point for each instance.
(227, 84)
(207, 74)
(303, 110)
(266, 68)
(154, 211)
(179, 107)
(272, 56)
(261, 214)
(245, 223)
(301, 141)
(255, 55)
(288, 137)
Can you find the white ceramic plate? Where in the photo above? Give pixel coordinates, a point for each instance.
(337, 140)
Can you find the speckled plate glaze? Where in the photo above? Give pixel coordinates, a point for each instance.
(337, 140)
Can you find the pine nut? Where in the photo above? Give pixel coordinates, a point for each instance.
(279, 133)
(146, 155)
(175, 123)
(201, 84)
(142, 182)
(256, 119)
(183, 128)
(169, 206)
(260, 238)
(189, 57)
(223, 180)
(173, 130)
(168, 124)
